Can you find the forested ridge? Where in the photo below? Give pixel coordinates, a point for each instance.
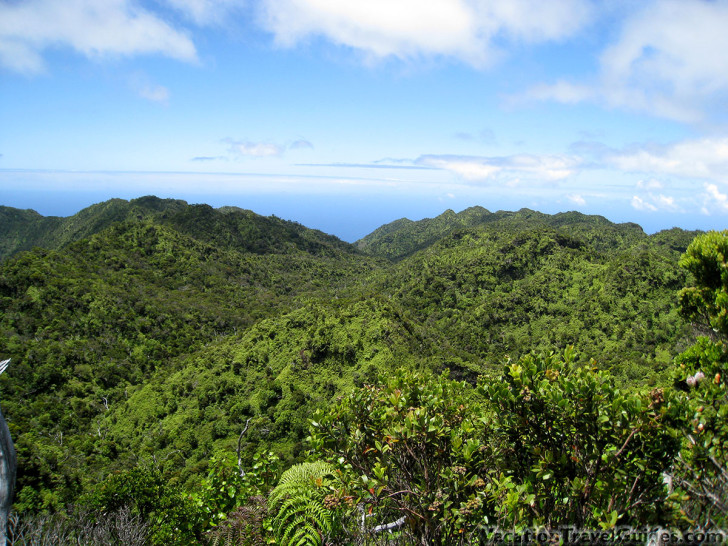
(204, 375)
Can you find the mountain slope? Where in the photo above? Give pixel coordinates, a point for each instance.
(496, 293)
(246, 231)
(25, 231)
(276, 374)
(85, 324)
(403, 237)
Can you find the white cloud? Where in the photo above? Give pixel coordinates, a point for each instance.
(700, 158)
(561, 91)
(576, 199)
(473, 168)
(713, 200)
(640, 204)
(407, 29)
(665, 202)
(142, 86)
(469, 168)
(300, 144)
(667, 61)
(94, 28)
(654, 203)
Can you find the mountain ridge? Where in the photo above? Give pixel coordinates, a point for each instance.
(21, 230)
(401, 238)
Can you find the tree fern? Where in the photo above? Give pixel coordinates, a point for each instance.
(301, 519)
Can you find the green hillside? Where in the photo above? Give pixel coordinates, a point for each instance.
(23, 230)
(232, 227)
(84, 324)
(494, 292)
(277, 373)
(403, 237)
(146, 335)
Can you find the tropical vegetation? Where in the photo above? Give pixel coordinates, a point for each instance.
(188, 375)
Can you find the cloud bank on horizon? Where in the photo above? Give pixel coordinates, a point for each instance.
(592, 104)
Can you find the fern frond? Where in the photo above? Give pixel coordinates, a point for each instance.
(297, 501)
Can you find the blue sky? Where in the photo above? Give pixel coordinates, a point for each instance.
(346, 114)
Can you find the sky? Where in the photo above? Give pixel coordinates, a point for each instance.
(347, 114)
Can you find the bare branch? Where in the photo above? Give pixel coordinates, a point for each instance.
(240, 442)
(387, 526)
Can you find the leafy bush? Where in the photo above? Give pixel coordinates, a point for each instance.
(169, 513)
(410, 448)
(700, 470)
(573, 449)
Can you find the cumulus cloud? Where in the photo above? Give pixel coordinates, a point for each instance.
(640, 204)
(714, 200)
(666, 61)
(407, 29)
(654, 203)
(94, 28)
(473, 168)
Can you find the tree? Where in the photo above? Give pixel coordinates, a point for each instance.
(706, 258)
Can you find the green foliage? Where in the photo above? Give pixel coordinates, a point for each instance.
(225, 488)
(24, 230)
(276, 374)
(403, 238)
(549, 442)
(411, 447)
(297, 503)
(495, 294)
(87, 326)
(706, 260)
(700, 471)
(152, 330)
(169, 513)
(574, 449)
(244, 526)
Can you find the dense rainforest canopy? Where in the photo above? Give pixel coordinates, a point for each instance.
(191, 375)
